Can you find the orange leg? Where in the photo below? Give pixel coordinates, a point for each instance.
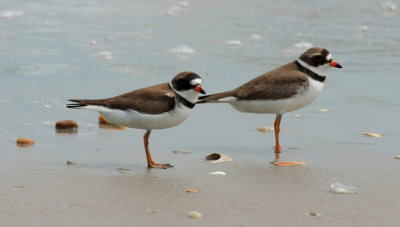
(150, 162)
(278, 146)
(277, 130)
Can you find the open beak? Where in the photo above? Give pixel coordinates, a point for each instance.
(334, 64)
(199, 89)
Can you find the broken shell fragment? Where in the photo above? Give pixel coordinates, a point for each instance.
(181, 152)
(195, 214)
(24, 142)
(191, 190)
(371, 134)
(71, 163)
(218, 158)
(278, 163)
(343, 189)
(218, 173)
(315, 214)
(67, 126)
(265, 129)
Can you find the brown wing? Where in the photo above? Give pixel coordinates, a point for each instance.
(151, 100)
(281, 83)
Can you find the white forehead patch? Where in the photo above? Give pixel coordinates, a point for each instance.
(195, 81)
(329, 57)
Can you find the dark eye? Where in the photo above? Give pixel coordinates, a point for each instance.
(319, 60)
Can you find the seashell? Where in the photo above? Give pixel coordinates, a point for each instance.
(66, 126)
(71, 163)
(371, 134)
(256, 37)
(343, 189)
(93, 43)
(218, 158)
(217, 173)
(234, 43)
(24, 142)
(195, 214)
(107, 55)
(183, 50)
(265, 129)
(315, 214)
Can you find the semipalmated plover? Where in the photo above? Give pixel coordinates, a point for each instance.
(156, 107)
(287, 88)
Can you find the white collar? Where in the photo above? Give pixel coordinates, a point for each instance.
(313, 69)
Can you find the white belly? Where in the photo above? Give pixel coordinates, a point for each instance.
(134, 119)
(302, 99)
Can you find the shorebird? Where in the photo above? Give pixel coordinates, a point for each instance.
(157, 107)
(284, 89)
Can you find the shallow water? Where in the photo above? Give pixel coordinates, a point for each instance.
(52, 51)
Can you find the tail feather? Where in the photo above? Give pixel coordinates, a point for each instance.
(218, 97)
(78, 103)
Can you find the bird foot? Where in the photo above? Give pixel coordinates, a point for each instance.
(159, 165)
(294, 163)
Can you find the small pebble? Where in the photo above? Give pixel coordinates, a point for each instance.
(195, 214)
(108, 39)
(24, 142)
(364, 28)
(9, 14)
(191, 190)
(184, 3)
(256, 37)
(107, 55)
(93, 43)
(323, 110)
(388, 7)
(297, 115)
(398, 157)
(183, 50)
(234, 43)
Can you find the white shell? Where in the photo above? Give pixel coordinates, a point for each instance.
(217, 173)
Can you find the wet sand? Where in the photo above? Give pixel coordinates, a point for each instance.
(253, 192)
